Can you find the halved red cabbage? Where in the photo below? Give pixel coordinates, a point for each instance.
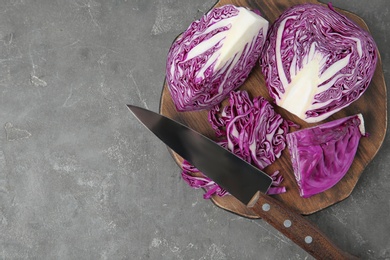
(316, 61)
(322, 155)
(214, 56)
(250, 129)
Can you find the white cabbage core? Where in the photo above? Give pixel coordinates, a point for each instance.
(244, 27)
(299, 93)
(361, 126)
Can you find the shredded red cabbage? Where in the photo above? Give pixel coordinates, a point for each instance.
(250, 129)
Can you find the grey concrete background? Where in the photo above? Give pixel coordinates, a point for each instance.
(81, 179)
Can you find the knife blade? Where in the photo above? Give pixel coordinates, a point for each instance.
(198, 149)
(244, 181)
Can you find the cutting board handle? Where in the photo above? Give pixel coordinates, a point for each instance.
(297, 228)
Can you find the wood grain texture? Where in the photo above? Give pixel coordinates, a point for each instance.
(372, 104)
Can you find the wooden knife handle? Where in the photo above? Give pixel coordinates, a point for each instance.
(297, 228)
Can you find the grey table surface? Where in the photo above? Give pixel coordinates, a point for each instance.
(80, 178)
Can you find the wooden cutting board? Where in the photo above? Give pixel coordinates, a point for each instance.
(372, 104)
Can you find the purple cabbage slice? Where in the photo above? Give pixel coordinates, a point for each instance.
(214, 56)
(252, 130)
(316, 61)
(322, 155)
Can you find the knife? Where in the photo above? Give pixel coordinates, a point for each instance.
(242, 180)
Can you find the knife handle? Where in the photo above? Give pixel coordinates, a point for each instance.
(297, 228)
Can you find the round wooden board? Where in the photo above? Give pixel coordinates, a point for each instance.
(372, 104)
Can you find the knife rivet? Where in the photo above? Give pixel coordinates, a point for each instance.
(308, 239)
(266, 207)
(287, 223)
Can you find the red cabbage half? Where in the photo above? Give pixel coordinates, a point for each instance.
(322, 155)
(317, 61)
(214, 56)
(250, 129)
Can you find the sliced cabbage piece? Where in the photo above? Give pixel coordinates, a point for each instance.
(214, 56)
(252, 130)
(322, 155)
(316, 61)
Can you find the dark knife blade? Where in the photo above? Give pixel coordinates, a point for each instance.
(214, 161)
